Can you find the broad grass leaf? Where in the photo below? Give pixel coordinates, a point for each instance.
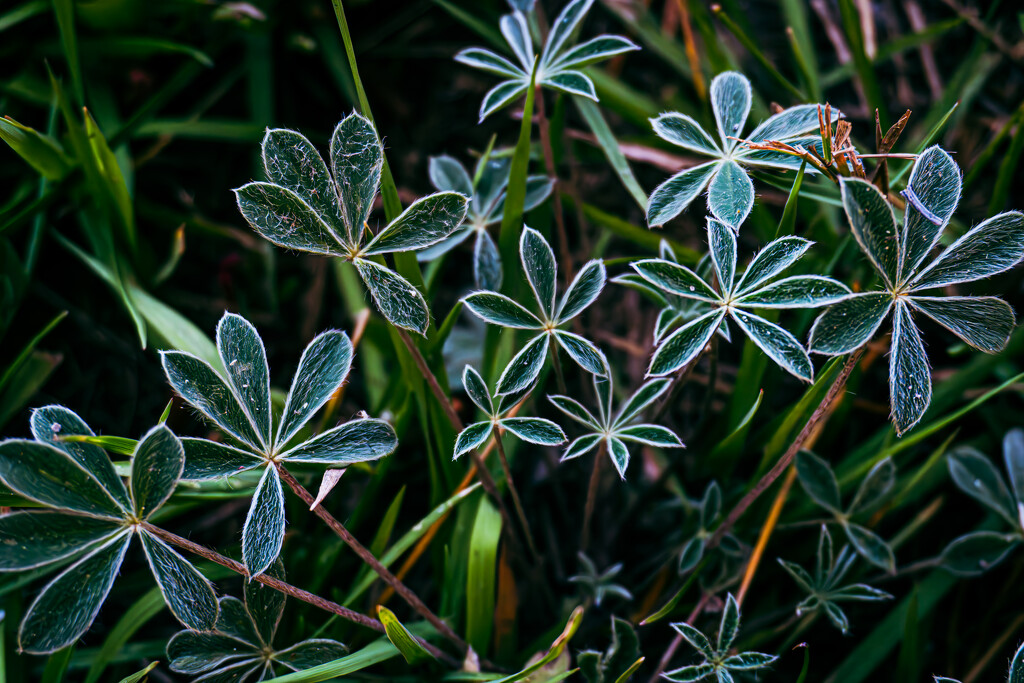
(731, 194)
(583, 444)
(487, 268)
(263, 532)
(1013, 458)
(683, 130)
(576, 411)
(50, 476)
(358, 440)
(204, 390)
(501, 94)
(447, 174)
(50, 423)
(583, 290)
(195, 653)
(517, 35)
(476, 389)
(357, 159)
(976, 476)
(563, 27)
(651, 435)
(399, 302)
(205, 459)
(245, 361)
(37, 538)
(324, 365)
(523, 369)
(818, 481)
(689, 674)
(499, 309)
(310, 653)
(875, 487)
(473, 436)
(535, 430)
(619, 454)
(157, 464)
(675, 279)
(412, 650)
(187, 593)
(683, 345)
(264, 604)
(234, 619)
(644, 396)
(910, 380)
(425, 222)
(722, 244)
(776, 257)
(695, 638)
(779, 344)
(675, 194)
(747, 661)
(871, 547)
(983, 322)
(42, 152)
(541, 272)
(730, 101)
(797, 291)
(67, 605)
(592, 51)
(572, 83)
(991, 247)
(583, 351)
(282, 217)
(485, 60)
(873, 225)
(975, 553)
(292, 162)
(849, 324)
(936, 183)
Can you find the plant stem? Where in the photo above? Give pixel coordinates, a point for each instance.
(366, 556)
(286, 588)
(549, 166)
(780, 466)
(588, 508)
(516, 501)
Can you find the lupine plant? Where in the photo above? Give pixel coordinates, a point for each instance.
(598, 584)
(825, 587)
(733, 298)
(897, 253)
(302, 206)
(487, 191)
(239, 402)
(542, 273)
(558, 64)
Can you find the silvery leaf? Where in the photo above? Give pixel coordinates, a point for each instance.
(683, 345)
(874, 225)
(245, 359)
(448, 175)
(731, 194)
(291, 161)
(910, 380)
(779, 344)
(425, 222)
(776, 257)
(730, 101)
(675, 194)
(682, 130)
(400, 303)
(324, 365)
(523, 369)
(263, 532)
(187, 593)
(983, 322)
(534, 430)
(797, 291)
(985, 250)
(486, 60)
(849, 324)
(282, 217)
(357, 158)
(936, 184)
(722, 244)
(499, 309)
(582, 291)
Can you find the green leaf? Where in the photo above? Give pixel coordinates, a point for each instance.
(871, 547)
(245, 359)
(730, 625)
(517, 35)
(195, 653)
(874, 225)
(575, 410)
(140, 676)
(789, 123)
(991, 247)
(610, 146)
(936, 184)
(859, 592)
(644, 396)
(539, 266)
(501, 94)
(976, 476)
(535, 430)
(476, 389)
(358, 440)
(234, 620)
(523, 369)
(357, 159)
(264, 604)
(675, 279)
(425, 222)
(499, 309)
(206, 459)
(682, 130)
(875, 486)
(263, 532)
(690, 674)
(481, 576)
(675, 194)
(572, 83)
(473, 436)
(818, 480)
(746, 661)
(651, 435)
(1013, 458)
(50, 476)
(695, 638)
(410, 647)
(324, 365)
(447, 174)
(797, 291)
(582, 291)
(685, 344)
(562, 28)
(777, 256)
(291, 161)
(910, 381)
(282, 217)
(849, 324)
(35, 539)
(779, 344)
(53, 424)
(109, 171)
(730, 101)
(583, 351)
(203, 389)
(479, 58)
(553, 653)
(157, 465)
(594, 50)
(311, 653)
(975, 553)
(400, 303)
(187, 593)
(1017, 666)
(67, 605)
(487, 268)
(731, 194)
(42, 152)
(983, 322)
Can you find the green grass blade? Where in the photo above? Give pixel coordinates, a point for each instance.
(411, 648)
(137, 616)
(64, 10)
(481, 577)
(512, 220)
(610, 146)
(787, 226)
(756, 53)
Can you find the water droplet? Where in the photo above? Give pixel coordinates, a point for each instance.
(55, 427)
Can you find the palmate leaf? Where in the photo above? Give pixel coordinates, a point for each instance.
(563, 26)
(157, 465)
(187, 593)
(722, 249)
(683, 345)
(35, 539)
(534, 430)
(583, 290)
(235, 621)
(280, 216)
(818, 481)
(205, 459)
(485, 60)
(983, 322)
(581, 350)
(501, 94)
(395, 297)
(477, 390)
(776, 257)
(797, 291)
(245, 360)
(731, 194)
(499, 309)
(975, 553)
(324, 365)
(524, 368)
(675, 279)
(874, 226)
(310, 653)
(730, 102)
(575, 410)
(730, 624)
(648, 393)
(592, 51)
(871, 547)
(975, 475)
(425, 222)
(582, 445)
(265, 605)
(695, 638)
(291, 161)
(263, 532)
(517, 35)
(196, 653)
(360, 440)
(651, 435)
(357, 159)
(539, 266)
(682, 130)
(910, 381)
(777, 343)
(849, 324)
(879, 481)
(935, 183)
(991, 247)
(690, 674)
(571, 83)
(675, 194)
(472, 437)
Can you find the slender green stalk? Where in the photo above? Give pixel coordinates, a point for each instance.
(516, 501)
